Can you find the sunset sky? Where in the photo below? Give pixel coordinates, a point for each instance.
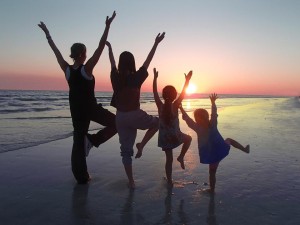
(232, 46)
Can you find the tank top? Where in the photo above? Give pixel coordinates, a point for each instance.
(81, 94)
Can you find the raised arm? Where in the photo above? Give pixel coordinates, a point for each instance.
(186, 84)
(91, 63)
(189, 121)
(155, 93)
(111, 55)
(158, 39)
(214, 116)
(62, 63)
(184, 114)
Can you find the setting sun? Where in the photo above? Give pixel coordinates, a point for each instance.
(191, 89)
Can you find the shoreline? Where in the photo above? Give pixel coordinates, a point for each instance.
(257, 188)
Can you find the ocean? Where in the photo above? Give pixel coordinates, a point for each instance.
(30, 118)
(258, 188)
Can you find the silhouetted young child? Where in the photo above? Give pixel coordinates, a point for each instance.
(170, 136)
(211, 145)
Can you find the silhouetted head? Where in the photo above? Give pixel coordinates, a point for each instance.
(78, 51)
(126, 63)
(201, 116)
(169, 93)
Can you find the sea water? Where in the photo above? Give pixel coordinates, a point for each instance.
(258, 188)
(30, 118)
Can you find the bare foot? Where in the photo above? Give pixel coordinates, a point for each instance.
(140, 150)
(131, 185)
(209, 191)
(180, 159)
(247, 149)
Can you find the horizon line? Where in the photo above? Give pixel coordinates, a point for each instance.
(187, 95)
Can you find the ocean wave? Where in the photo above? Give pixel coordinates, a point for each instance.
(38, 98)
(36, 118)
(22, 110)
(23, 145)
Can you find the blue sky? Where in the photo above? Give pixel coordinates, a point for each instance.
(247, 47)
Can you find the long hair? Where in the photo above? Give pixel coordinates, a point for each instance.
(76, 50)
(126, 66)
(169, 94)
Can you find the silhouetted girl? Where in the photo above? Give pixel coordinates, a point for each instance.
(211, 145)
(170, 136)
(126, 82)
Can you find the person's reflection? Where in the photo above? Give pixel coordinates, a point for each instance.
(127, 216)
(181, 214)
(167, 218)
(79, 203)
(168, 207)
(211, 217)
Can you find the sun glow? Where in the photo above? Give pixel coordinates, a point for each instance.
(191, 89)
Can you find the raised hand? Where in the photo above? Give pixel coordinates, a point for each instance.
(188, 76)
(44, 28)
(155, 73)
(213, 97)
(109, 20)
(159, 38)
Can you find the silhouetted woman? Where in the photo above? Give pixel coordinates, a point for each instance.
(83, 104)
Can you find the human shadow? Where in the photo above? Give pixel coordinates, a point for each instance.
(128, 215)
(168, 215)
(80, 212)
(211, 218)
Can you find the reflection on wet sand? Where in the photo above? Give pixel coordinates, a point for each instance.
(168, 215)
(79, 204)
(128, 215)
(211, 217)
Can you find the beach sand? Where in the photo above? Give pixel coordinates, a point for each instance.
(37, 185)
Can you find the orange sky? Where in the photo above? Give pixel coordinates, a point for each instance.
(232, 47)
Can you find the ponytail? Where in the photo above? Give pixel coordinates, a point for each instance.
(167, 112)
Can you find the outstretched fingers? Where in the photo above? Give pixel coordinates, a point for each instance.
(43, 27)
(189, 75)
(160, 37)
(109, 20)
(213, 97)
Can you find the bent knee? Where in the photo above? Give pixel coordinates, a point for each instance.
(126, 156)
(187, 138)
(126, 160)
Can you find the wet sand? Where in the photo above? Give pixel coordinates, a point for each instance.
(258, 188)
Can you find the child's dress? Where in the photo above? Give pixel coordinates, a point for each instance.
(169, 136)
(213, 148)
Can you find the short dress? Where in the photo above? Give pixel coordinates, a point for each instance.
(170, 136)
(215, 149)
